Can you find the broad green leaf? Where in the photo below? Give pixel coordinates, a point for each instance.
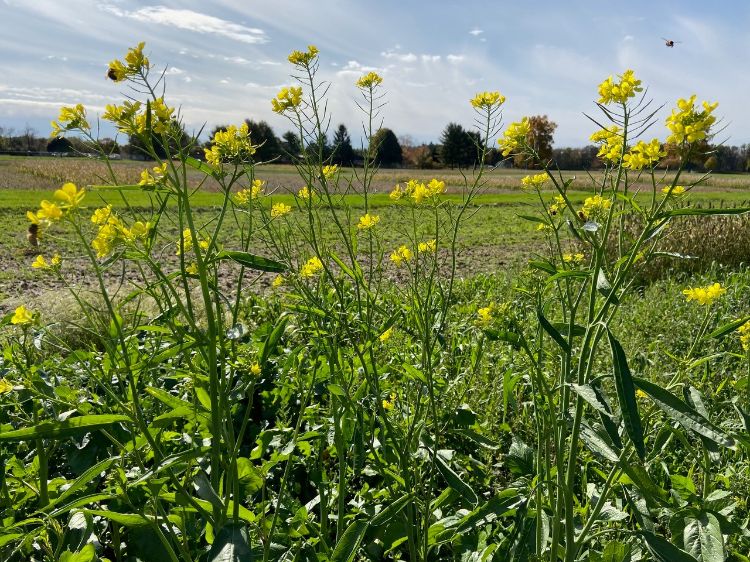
(683, 414)
(597, 444)
(615, 552)
(348, 544)
(663, 550)
(702, 538)
(63, 429)
(230, 545)
(124, 519)
(251, 261)
(626, 396)
(455, 481)
(86, 554)
(9, 538)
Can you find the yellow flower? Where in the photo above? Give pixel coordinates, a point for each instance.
(256, 190)
(5, 386)
(287, 98)
(595, 205)
(107, 236)
(485, 315)
(573, 258)
(244, 196)
(192, 268)
(278, 281)
(136, 63)
(643, 155)
(619, 92)
(429, 246)
(558, 205)
(610, 142)
(402, 254)
(41, 263)
(139, 230)
(390, 402)
(744, 331)
(640, 394)
(330, 171)
(369, 80)
(127, 117)
(70, 119)
(487, 100)
(101, 216)
(305, 193)
(704, 295)
(49, 211)
(543, 226)
(514, 137)
(311, 267)
(231, 145)
(149, 179)
(536, 181)
(22, 316)
(301, 58)
(279, 210)
(385, 336)
(397, 192)
(688, 124)
(676, 190)
(255, 369)
(367, 221)
(70, 195)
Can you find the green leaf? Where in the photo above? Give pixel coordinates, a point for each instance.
(199, 165)
(702, 538)
(692, 211)
(388, 513)
(124, 519)
(9, 538)
(626, 396)
(543, 266)
(663, 550)
(597, 444)
(230, 545)
(86, 554)
(614, 552)
(565, 273)
(63, 429)
(84, 480)
(348, 544)
(251, 261)
(683, 414)
(551, 330)
(455, 482)
(727, 328)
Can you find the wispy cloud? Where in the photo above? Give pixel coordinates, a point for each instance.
(476, 32)
(191, 21)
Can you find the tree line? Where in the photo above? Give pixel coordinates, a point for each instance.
(457, 148)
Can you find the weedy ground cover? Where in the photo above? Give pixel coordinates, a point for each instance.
(369, 404)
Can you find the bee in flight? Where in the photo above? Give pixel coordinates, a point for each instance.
(33, 235)
(670, 42)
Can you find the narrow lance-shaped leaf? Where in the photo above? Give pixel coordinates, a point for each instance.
(663, 550)
(62, 429)
(349, 542)
(550, 329)
(626, 396)
(683, 414)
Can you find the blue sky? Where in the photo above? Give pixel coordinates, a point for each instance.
(227, 59)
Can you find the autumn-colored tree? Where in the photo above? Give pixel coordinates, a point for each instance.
(540, 137)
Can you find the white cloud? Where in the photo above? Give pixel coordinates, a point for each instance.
(191, 21)
(400, 57)
(475, 32)
(455, 58)
(430, 58)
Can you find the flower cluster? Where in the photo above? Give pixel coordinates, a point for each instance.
(368, 221)
(676, 190)
(369, 81)
(744, 331)
(593, 206)
(304, 58)
(574, 259)
(131, 119)
(610, 142)
(113, 231)
(70, 119)
(69, 197)
(429, 246)
(515, 137)
(41, 263)
(244, 196)
(280, 209)
(619, 92)
(487, 100)
(390, 402)
(643, 155)
(330, 171)
(558, 206)
(401, 255)
(154, 177)
(305, 193)
(287, 98)
(186, 243)
(231, 145)
(311, 267)
(704, 295)
(485, 315)
(22, 316)
(418, 191)
(136, 63)
(536, 181)
(688, 124)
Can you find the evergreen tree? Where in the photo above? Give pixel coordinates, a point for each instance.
(262, 134)
(385, 148)
(343, 153)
